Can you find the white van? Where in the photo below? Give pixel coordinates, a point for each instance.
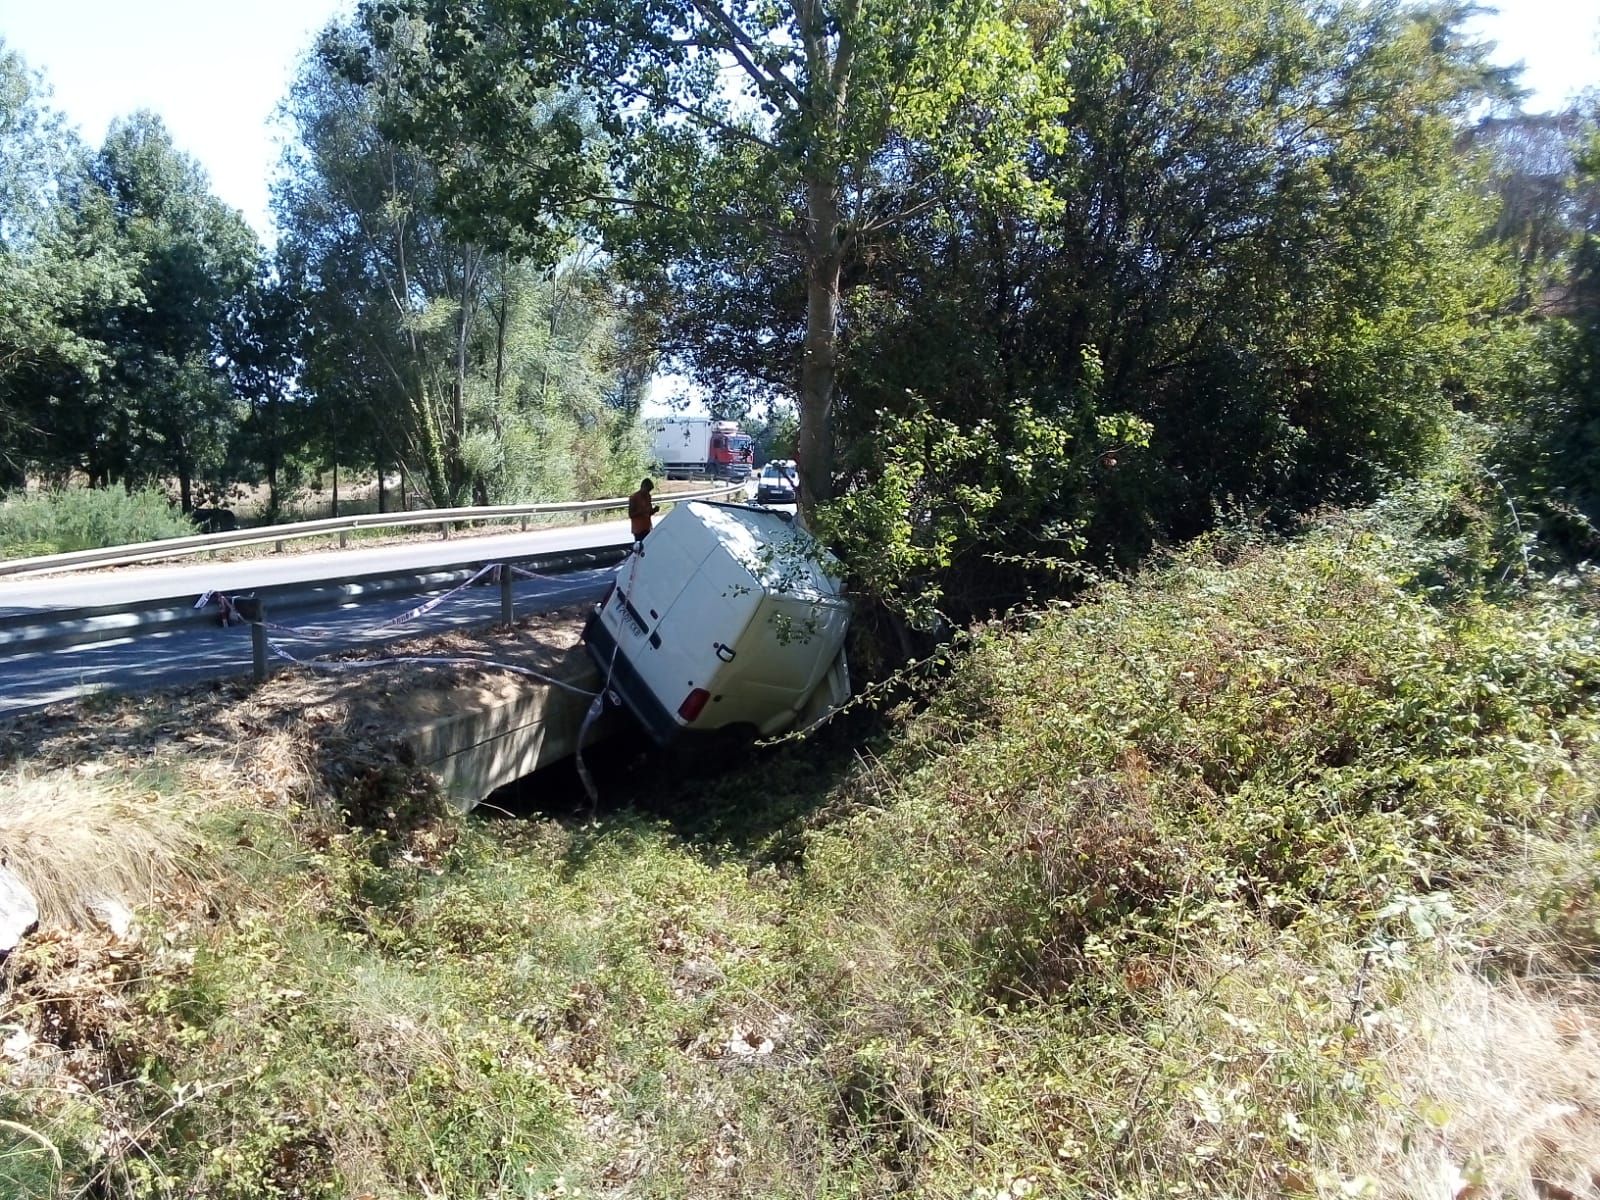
(732, 617)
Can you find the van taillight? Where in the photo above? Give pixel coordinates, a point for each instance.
(693, 704)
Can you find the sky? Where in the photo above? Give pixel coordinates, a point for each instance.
(215, 70)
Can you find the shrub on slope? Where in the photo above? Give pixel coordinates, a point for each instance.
(1126, 907)
(1260, 875)
(85, 519)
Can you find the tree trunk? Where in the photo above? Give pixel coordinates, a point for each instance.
(458, 395)
(380, 488)
(335, 485)
(274, 455)
(434, 470)
(819, 362)
(185, 476)
(500, 338)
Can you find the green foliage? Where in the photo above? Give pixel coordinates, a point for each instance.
(1541, 369)
(731, 135)
(1143, 900)
(86, 519)
(165, 408)
(1289, 296)
(500, 375)
(1100, 879)
(60, 263)
(933, 491)
(118, 270)
(776, 435)
(1243, 230)
(30, 1164)
(1552, 418)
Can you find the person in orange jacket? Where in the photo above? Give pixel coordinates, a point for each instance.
(640, 510)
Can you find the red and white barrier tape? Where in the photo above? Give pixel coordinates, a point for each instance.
(411, 614)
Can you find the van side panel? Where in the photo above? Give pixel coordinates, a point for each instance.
(784, 653)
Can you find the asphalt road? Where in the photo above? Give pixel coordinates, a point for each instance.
(184, 655)
(133, 585)
(157, 659)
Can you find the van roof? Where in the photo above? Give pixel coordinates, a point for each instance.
(779, 554)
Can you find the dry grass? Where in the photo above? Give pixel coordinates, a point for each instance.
(1496, 1093)
(227, 721)
(78, 840)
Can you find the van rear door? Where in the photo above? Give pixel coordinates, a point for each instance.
(699, 636)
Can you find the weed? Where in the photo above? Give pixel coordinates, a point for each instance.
(86, 519)
(1267, 873)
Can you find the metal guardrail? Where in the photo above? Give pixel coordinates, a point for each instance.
(116, 556)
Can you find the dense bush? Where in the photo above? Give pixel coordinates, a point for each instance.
(1151, 898)
(85, 519)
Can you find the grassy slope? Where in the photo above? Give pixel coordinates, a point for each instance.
(1261, 876)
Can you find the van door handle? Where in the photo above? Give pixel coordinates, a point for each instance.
(725, 653)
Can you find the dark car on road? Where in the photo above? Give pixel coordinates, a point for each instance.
(776, 485)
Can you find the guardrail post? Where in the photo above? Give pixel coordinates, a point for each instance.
(524, 524)
(444, 530)
(508, 612)
(343, 539)
(277, 547)
(258, 645)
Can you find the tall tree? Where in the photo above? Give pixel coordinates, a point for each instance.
(258, 346)
(1266, 237)
(1533, 172)
(792, 158)
(59, 262)
(1566, 416)
(419, 343)
(164, 405)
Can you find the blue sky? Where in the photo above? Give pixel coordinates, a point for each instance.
(216, 69)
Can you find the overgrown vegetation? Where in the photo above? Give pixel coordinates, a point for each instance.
(145, 336)
(1266, 873)
(55, 522)
(1021, 286)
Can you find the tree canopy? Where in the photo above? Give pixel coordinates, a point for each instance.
(775, 135)
(1027, 289)
(60, 261)
(494, 371)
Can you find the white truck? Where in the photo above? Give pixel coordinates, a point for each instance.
(697, 448)
(731, 618)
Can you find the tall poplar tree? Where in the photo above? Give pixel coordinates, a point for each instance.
(774, 127)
